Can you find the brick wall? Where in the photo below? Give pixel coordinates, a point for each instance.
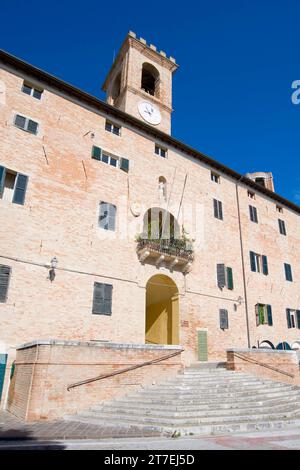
(246, 360)
(45, 369)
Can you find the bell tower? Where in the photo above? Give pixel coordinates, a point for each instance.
(140, 82)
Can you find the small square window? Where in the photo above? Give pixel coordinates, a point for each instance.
(215, 177)
(105, 158)
(31, 91)
(26, 124)
(251, 194)
(279, 209)
(160, 151)
(110, 127)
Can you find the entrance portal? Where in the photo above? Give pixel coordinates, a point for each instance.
(162, 311)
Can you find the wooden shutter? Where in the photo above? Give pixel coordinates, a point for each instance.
(112, 217)
(3, 361)
(2, 179)
(288, 318)
(261, 314)
(102, 299)
(202, 345)
(298, 318)
(124, 164)
(216, 208)
(223, 319)
(255, 218)
(221, 277)
(20, 189)
(257, 314)
(5, 272)
(288, 272)
(32, 126)
(220, 210)
(269, 313)
(96, 152)
(252, 261)
(265, 265)
(229, 278)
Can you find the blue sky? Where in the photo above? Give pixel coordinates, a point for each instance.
(232, 91)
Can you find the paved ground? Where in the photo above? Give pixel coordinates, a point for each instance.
(72, 435)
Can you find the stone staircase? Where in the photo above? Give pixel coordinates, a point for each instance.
(204, 399)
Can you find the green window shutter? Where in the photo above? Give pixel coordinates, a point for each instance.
(261, 314)
(3, 360)
(270, 318)
(202, 345)
(221, 276)
(229, 278)
(102, 299)
(288, 272)
(124, 164)
(20, 189)
(223, 319)
(220, 210)
(112, 217)
(252, 261)
(298, 318)
(216, 212)
(288, 318)
(265, 265)
(5, 272)
(96, 152)
(2, 179)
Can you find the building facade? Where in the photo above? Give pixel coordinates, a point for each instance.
(112, 230)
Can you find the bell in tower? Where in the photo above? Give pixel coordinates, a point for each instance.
(140, 82)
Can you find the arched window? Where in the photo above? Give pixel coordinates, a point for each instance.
(162, 188)
(116, 89)
(150, 79)
(160, 224)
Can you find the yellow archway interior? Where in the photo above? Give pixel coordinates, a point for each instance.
(162, 311)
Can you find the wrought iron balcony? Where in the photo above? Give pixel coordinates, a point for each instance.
(173, 253)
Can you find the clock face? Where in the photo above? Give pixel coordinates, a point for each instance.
(149, 112)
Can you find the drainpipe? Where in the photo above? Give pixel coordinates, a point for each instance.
(243, 262)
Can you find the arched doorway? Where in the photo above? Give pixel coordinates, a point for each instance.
(162, 311)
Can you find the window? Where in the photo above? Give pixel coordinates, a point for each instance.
(224, 276)
(223, 315)
(26, 124)
(282, 229)
(102, 299)
(110, 127)
(5, 272)
(288, 272)
(214, 177)
(261, 181)
(30, 90)
(253, 214)
(109, 159)
(107, 216)
(218, 210)
(279, 209)
(12, 186)
(259, 263)
(150, 79)
(293, 318)
(251, 194)
(160, 151)
(263, 314)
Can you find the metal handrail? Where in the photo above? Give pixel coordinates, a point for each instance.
(263, 364)
(122, 371)
(167, 246)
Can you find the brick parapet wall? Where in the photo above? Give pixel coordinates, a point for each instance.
(271, 364)
(44, 370)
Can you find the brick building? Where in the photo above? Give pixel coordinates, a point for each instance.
(112, 230)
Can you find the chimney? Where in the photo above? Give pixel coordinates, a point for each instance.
(265, 179)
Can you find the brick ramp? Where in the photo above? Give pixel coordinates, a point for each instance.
(202, 401)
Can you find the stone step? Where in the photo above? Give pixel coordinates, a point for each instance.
(137, 405)
(209, 365)
(205, 413)
(198, 401)
(199, 384)
(189, 421)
